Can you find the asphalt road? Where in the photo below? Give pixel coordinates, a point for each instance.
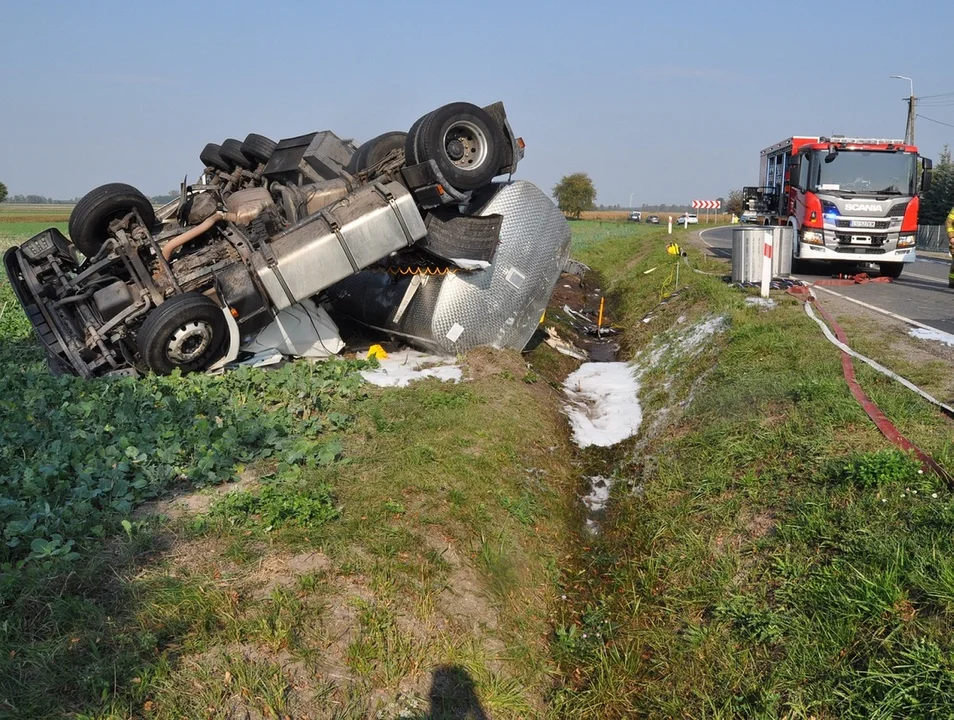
(921, 293)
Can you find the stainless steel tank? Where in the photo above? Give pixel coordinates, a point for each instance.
(747, 245)
(747, 249)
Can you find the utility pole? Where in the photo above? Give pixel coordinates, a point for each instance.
(912, 104)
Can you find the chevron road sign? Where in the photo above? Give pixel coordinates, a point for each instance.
(706, 204)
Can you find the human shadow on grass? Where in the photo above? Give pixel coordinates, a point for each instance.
(453, 696)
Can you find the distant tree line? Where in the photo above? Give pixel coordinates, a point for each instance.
(36, 200)
(650, 207)
(43, 200)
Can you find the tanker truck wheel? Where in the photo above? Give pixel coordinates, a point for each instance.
(463, 140)
(90, 219)
(258, 148)
(211, 158)
(187, 332)
(231, 152)
(374, 151)
(891, 269)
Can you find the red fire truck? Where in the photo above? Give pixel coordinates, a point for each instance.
(847, 199)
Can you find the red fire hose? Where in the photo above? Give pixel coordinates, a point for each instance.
(883, 424)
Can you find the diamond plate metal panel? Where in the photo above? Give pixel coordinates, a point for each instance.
(502, 305)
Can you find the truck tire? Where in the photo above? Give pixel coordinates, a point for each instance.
(90, 219)
(211, 158)
(258, 148)
(891, 269)
(410, 142)
(231, 152)
(186, 332)
(465, 143)
(374, 151)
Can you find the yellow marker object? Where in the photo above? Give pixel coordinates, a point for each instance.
(377, 352)
(599, 322)
(673, 249)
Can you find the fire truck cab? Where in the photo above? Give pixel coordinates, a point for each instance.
(848, 200)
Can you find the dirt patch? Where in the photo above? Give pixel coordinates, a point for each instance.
(488, 362)
(760, 524)
(755, 526)
(194, 502)
(283, 570)
(463, 602)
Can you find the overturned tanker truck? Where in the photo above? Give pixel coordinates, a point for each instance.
(408, 233)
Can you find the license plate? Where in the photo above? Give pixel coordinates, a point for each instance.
(862, 223)
(861, 239)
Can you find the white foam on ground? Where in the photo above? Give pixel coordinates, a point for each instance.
(935, 335)
(599, 494)
(603, 398)
(400, 369)
(603, 403)
(597, 500)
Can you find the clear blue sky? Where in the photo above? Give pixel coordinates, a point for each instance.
(669, 101)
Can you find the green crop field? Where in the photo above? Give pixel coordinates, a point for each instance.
(296, 543)
(21, 222)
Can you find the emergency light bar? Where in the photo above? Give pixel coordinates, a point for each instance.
(841, 140)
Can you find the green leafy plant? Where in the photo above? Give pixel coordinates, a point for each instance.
(872, 470)
(278, 504)
(750, 621)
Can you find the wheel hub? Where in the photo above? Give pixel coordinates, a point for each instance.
(455, 150)
(189, 342)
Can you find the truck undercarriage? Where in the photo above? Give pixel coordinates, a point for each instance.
(408, 233)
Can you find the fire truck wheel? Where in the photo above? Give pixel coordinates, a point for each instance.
(465, 143)
(231, 152)
(90, 219)
(211, 158)
(187, 332)
(373, 151)
(258, 148)
(891, 270)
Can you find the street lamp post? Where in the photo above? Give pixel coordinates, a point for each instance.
(912, 103)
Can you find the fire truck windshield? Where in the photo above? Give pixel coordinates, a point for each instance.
(859, 172)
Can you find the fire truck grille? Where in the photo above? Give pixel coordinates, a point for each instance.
(879, 225)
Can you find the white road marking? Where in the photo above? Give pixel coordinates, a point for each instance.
(940, 281)
(707, 243)
(902, 318)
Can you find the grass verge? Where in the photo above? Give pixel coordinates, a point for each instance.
(767, 554)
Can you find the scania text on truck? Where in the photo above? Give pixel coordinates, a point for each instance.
(848, 200)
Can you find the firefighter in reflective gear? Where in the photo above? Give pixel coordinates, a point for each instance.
(950, 241)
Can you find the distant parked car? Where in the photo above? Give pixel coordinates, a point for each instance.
(653, 220)
(635, 216)
(690, 218)
(749, 216)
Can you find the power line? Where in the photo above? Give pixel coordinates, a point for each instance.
(939, 95)
(935, 121)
